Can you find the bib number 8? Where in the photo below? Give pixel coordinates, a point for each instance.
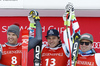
(14, 60)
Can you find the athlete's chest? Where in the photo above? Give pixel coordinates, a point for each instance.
(46, 52)
(54, 57)
(12, 55)
(86, 60)
(8, 50)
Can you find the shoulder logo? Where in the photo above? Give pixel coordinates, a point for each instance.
(51, 32)
(3, 45)
(86, 36)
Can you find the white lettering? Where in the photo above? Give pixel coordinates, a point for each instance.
(11, 52)
(85, 63)
(50, 27)
(25, 41)
(96, 45)
(43, 29)
(4, 28)
(75, 49)
(22, 27)
(61, 30)
(52, 54)
(37, 52)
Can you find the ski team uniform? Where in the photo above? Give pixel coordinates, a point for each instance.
(57, 56)
(88, 60)
(12, 53)
(83, 60)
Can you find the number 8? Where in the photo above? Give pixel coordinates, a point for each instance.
(14, 60)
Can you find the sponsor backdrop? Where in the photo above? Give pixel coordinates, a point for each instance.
(87, 25)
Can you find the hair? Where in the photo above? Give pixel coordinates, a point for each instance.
(60, 42)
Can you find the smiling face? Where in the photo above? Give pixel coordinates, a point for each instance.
(85, 47)
(12, 38)
(53, 41)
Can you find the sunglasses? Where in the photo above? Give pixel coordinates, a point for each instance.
(86, 43)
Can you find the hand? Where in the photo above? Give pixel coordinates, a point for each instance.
(33, 17)
(69, 7)
(69, 14)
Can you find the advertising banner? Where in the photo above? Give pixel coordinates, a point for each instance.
(87, 25)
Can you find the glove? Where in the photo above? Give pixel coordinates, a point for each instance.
(69, 7)
(33, 17)
(69, 14)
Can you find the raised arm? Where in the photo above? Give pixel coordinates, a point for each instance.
(69, 18)
(34, 21)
